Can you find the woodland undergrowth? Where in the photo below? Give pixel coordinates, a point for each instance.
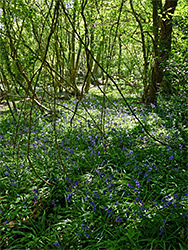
(121, 190)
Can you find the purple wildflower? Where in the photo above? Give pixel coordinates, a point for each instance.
(57, 244)
(69, 197)
(118, 219)
(110, 212)
(35, 191)
(82, 226)
(185, 215)
(171, 157)
(162, 228)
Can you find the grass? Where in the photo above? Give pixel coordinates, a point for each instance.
(122, 191)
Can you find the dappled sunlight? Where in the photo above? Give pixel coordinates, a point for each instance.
(93, 125)
(113, 184)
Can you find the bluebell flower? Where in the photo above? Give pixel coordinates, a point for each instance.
(118, 219)
(53, 203)
(171, 157)
(175, 196)
(93, 204)
(137, 183)
(69, 197)
(35, 191)
(21, 165)
(129, 209)
(13, 182)
(96, 195)
(7, 168)
(86, 235)
(57, 244)
(162, 228)
(110, 212)
(175, 204)
(138, 199)
(185, 215)
(102, 163)
(6, 222)
(82, 226)
(76, 182)
(176, 169)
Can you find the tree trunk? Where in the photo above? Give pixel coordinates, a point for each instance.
(165, 24)
(150, 90)
(89, 62)
(162, 31)
(88, 79)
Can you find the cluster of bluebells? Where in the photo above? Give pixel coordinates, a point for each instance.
(162, 227)
(91, 201)
(140, 173)
(108, 210)
(72, 187)
(9, 173)
(35, 194)
(84, 231)
(172, 202)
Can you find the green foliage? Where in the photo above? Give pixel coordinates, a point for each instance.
(180, 28)
(122, 191)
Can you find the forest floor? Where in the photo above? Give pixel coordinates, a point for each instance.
(121, 189)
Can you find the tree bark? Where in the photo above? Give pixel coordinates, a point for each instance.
(149, 95)
(162, 32)
(165, 24)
